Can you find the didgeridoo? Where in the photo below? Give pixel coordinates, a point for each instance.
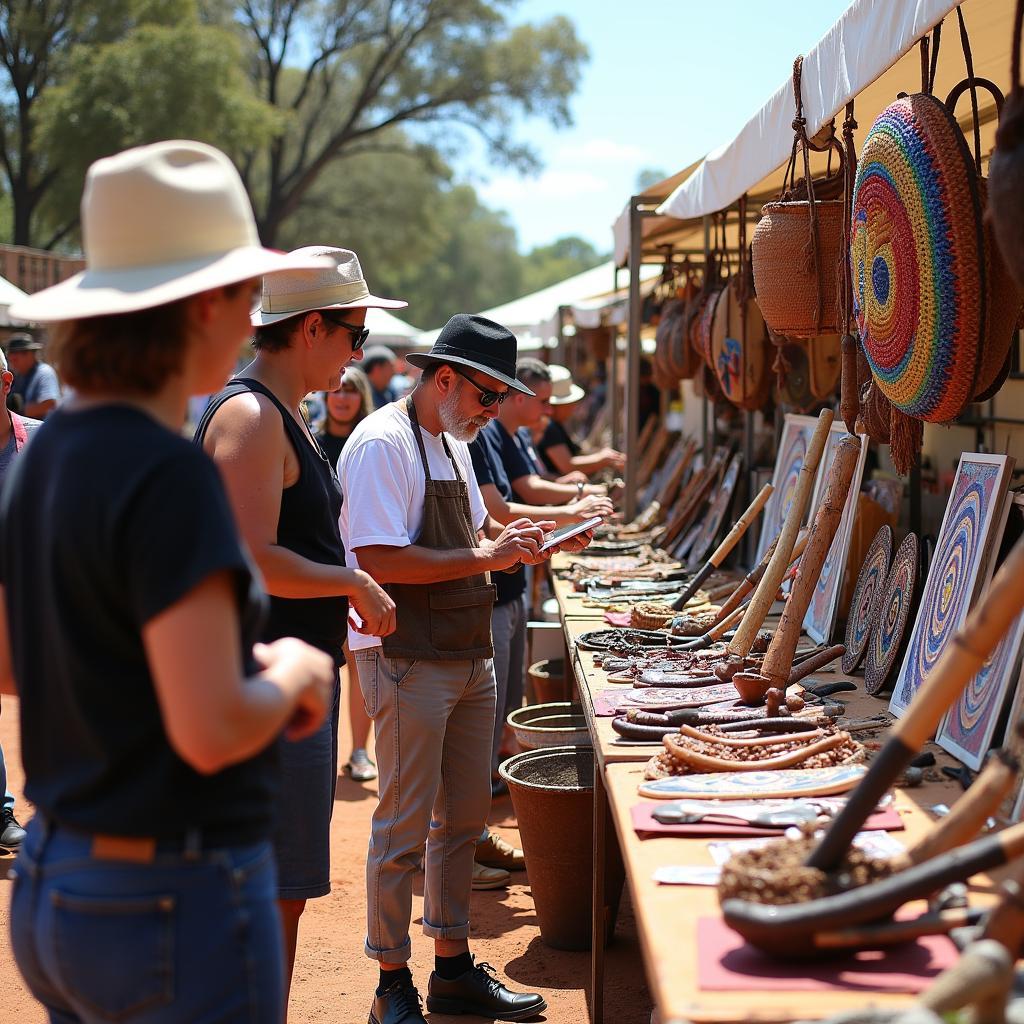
(719, 555)
(963, 656)
(751, 580)
(764, 596)
(778, 659)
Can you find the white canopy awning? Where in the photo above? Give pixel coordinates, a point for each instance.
(9, 293)
(534, 318)
(387, 329)
(869, 39)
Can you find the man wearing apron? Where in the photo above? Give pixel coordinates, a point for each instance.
(429, 686)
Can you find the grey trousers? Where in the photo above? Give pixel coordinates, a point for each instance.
(508, 626)
(433, 725)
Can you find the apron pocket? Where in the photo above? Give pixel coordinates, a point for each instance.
(460, 620)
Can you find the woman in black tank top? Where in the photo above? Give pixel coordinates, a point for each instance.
(287, 500)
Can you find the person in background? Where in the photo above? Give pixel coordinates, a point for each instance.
(510, 433)
(15, 431)
(344, 409)
(556, 447)
(379, 365)
(36, 389)
(287, 501)
(128, 614)
(423, 531)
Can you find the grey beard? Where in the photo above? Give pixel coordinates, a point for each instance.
(460, 429)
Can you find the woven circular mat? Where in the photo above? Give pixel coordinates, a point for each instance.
(917, 256)
(893, 609)
(867, 596)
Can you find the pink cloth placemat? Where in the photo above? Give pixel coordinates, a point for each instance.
(610, 703)
(648, 827)
(725, 963)
(622, 620)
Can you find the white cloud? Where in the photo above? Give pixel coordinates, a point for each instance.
(549, 185)
(605, 150)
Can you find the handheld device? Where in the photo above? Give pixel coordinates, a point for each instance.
(563, 533)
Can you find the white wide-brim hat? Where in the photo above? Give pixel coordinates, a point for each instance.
(159, 223)
(563, 390)
(338, 286)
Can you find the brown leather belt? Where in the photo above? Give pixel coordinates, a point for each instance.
(135, 850)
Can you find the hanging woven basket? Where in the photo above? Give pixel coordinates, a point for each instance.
(683, 359)
(797, 251)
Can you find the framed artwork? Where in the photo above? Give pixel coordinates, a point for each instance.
(968, 729)
(711, 521)
(821, 612)
(796, 436)
(971, 528)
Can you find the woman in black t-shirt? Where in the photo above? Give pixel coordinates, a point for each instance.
(128, 606)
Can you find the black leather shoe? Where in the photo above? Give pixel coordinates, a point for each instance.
(400, 1004)
(11, 833)
(478, 991)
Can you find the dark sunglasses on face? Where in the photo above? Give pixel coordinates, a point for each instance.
(359, 334)
(487, 398)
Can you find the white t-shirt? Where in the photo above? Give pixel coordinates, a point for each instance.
(383, 483)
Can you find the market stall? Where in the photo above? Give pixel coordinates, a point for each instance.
(836, 277)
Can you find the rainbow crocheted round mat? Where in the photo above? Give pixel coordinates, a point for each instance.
(917, 253)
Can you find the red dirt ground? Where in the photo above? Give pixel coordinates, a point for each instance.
(334, 981)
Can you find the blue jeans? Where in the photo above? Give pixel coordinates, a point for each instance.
(7, 801)
(184, 938)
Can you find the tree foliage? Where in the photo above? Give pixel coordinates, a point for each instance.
(344, 73)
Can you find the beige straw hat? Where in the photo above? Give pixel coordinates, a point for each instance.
(563, 390)
(340, 285)
(159, 223)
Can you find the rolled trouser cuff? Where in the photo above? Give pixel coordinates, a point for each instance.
(452, 931)
(400, 955)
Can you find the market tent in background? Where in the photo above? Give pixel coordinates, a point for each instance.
(9, 293)
(534, 318)
(386, 329)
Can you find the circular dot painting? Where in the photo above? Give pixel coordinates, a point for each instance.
(867, 596)
(893, 610)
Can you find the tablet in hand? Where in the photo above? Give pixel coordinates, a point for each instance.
(564, 533)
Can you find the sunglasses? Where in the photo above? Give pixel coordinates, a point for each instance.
(359, 334)
(487, 398)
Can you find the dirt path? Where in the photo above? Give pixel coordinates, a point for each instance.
(334, 981)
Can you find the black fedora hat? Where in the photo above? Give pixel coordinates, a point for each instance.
(475, 341)
(23, 343)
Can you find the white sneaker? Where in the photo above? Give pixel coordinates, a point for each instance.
(360, 767)
(489, 878)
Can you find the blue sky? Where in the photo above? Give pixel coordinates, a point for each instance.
(667, 81)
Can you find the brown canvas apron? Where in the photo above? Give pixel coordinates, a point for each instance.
(450, 620)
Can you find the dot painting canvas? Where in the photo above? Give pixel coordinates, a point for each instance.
(969, 536)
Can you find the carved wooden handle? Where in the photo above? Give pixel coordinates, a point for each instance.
(764, 596)
(964, 655)
(849, 391)
(779, 658)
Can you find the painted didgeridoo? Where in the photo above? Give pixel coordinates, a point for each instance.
(719, 555)
(764, 596)
(778, 659)
(964, 655)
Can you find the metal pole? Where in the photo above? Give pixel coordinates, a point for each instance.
(632, 390)
(709, 437)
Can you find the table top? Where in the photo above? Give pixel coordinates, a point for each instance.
(667, 918)
(667, 915)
